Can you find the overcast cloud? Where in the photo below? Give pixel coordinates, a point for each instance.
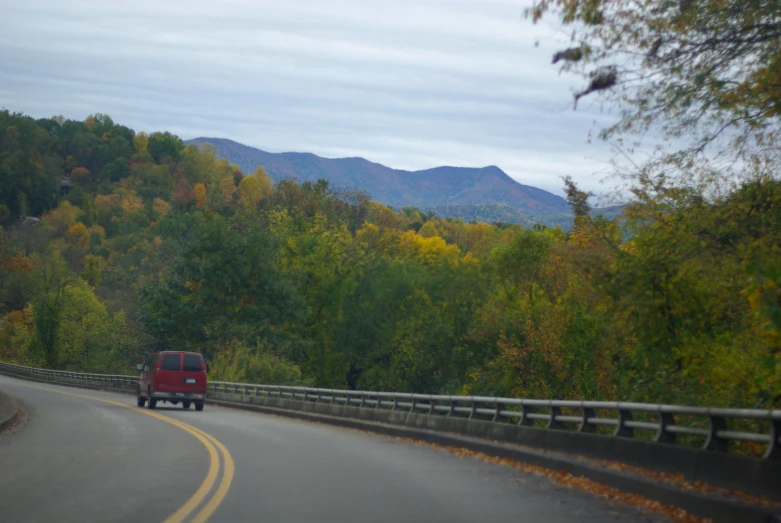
(411, 84)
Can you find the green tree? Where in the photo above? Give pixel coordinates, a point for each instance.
(225, 285)
(165, 147)
(51, 281)
(84, 333)
(694, 69)
(239, 363)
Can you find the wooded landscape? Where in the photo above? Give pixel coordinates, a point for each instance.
(147, 243)
(156, 245)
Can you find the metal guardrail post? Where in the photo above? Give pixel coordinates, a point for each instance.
(553, 423)
(525, 421)
(714, 442)
(622, 430)
(663, 435)
(585, 426)
(774, 447)
(498, 411)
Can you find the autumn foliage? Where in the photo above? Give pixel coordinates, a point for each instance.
(281, 282)
(81, 176)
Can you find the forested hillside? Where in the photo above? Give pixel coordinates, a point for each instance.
(481, 194)
(144, 243)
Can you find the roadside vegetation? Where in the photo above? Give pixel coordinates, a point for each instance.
(143, 243)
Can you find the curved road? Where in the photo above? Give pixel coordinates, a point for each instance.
(86, 456)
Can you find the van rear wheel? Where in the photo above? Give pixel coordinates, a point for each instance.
(185, 404)
(199, 406)
(152, 401)
(140, 400)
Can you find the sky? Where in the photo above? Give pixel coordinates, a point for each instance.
(411, 84)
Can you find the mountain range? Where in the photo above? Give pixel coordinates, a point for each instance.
(479, 194)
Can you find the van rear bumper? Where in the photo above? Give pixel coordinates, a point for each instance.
(179, 396)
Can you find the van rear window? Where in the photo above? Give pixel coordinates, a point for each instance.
(171, 362)
(192, 363)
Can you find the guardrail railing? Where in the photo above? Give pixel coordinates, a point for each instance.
(525, 412)
(109, 378)
(713, 425)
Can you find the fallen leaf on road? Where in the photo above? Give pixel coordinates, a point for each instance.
(579, 482)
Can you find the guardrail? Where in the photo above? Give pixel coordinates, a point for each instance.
(525, 412)
(33, 371)
(714, 423)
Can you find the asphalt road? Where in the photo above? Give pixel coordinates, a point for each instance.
(86, 456)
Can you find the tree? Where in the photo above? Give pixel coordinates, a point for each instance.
(522, 264)
(199, 193)
(59, 220)
(52, 281)
(433, 252)
(165, 147)
(227, 188)
(183, 193)
(688, 283)
(5, 215)
(577, 199)
(161, 207)
(239, 363)
(250, 191)
(695, 69)
(429, 230)
(266, 186)
(15, 267)
(84, 334)
(78, 238)
(81, 176)
(225, 285)
(141, 142)
(402, 326)
(16, 337)
(116, 170)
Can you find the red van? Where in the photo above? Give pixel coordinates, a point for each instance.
(172, 377)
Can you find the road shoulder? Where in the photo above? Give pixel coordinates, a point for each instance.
(9, 411)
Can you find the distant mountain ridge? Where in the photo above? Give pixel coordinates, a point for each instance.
(477, 191)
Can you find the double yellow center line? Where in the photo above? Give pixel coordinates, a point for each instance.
(216, 450)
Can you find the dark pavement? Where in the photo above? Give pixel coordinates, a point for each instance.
(78, 459)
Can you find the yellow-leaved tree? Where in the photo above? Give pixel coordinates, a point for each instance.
(199, 193)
